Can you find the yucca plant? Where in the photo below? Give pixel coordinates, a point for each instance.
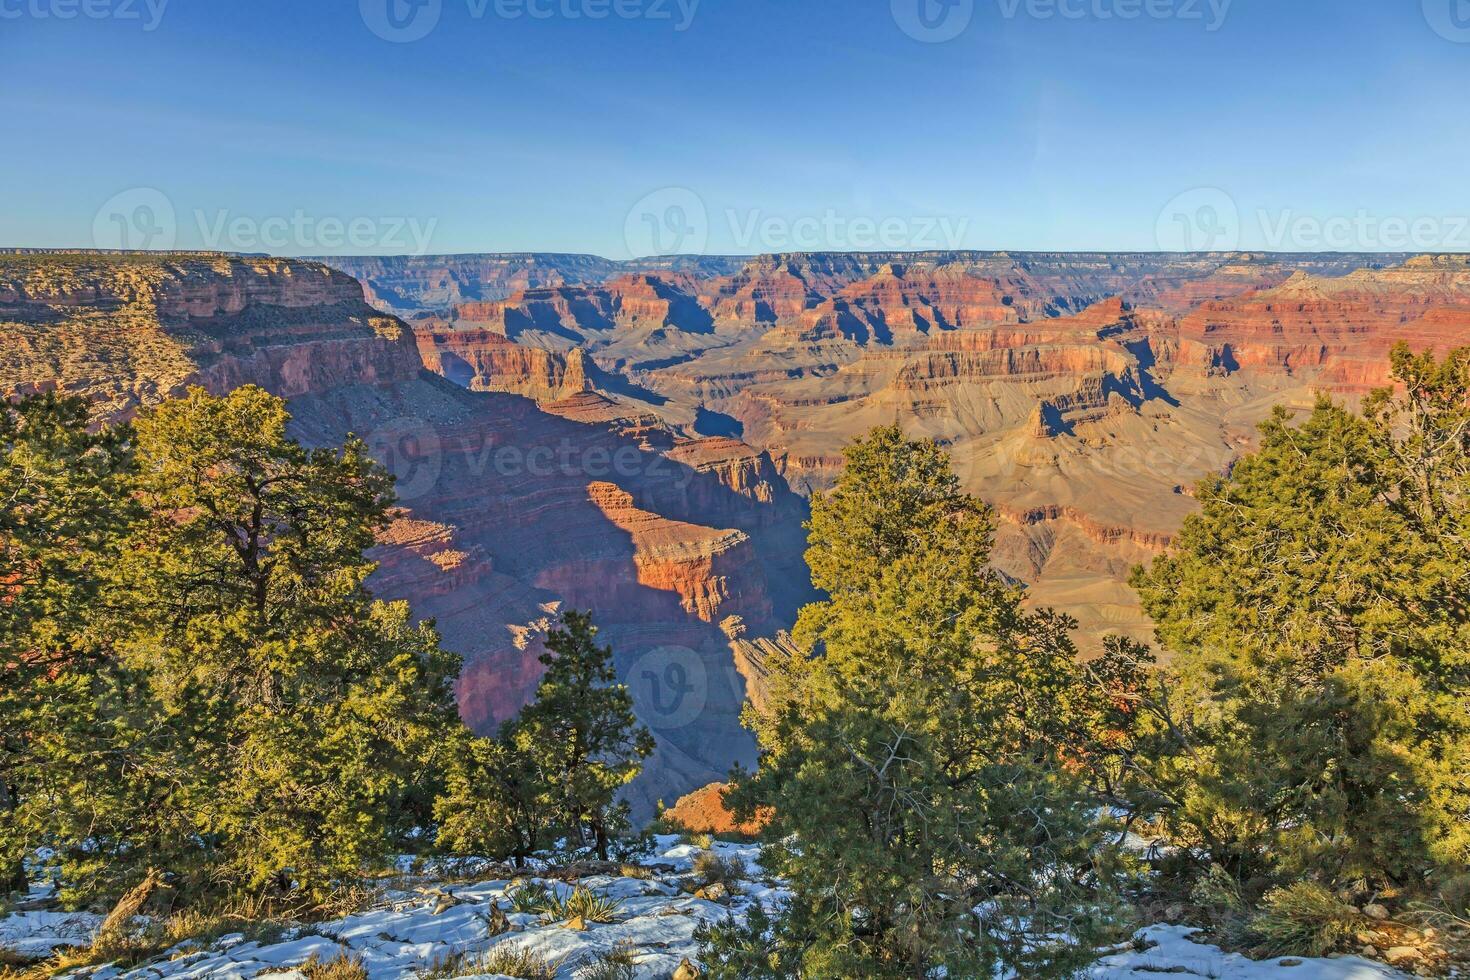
(531, 898)
(583, 903)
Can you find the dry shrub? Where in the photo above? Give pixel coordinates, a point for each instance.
(1303, 919)
(344, 967)
(710, 868)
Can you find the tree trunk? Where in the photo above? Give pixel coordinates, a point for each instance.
(12, 870)
(601, 832)
(13, 878)
(131, 904)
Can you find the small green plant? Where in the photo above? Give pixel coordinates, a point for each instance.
(1217, 890)
(704, 842)
(530, 898)
(755, 949)
(615, 964)
(1303, 919)
(503, 960)
(582, 903)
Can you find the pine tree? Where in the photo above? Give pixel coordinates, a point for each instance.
(918, 746)
(495, 803)
(309, 709)
(253, 719)
(63, 509)
(1318, 708)
(581, 734)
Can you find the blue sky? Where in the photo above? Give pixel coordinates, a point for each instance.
(621, 126)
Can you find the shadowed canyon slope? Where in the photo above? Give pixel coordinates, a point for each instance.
(687, 550)
(1081, 394)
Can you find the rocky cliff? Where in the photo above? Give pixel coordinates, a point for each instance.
(638, 443)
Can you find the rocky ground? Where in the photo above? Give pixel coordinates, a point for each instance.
(455, 926)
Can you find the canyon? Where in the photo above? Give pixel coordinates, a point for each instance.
(687, 549)
(640, 438)
(1082, 395)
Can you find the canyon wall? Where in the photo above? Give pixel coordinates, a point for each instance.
(415, 283)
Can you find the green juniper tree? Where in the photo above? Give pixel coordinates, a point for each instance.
(495, 803)
(581, 733)
(556, 769)
(922, 747)
(258, 721)
(310, 711)
(63, 511)
(1315, 718)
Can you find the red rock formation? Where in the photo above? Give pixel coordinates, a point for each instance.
(483, 360)
(704, 812)
(1335, 332)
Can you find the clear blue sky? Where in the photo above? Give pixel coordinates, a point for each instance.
(756, 125)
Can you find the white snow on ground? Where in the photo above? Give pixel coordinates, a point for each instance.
(1176, 954)
(39, 934)
(403, 936)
